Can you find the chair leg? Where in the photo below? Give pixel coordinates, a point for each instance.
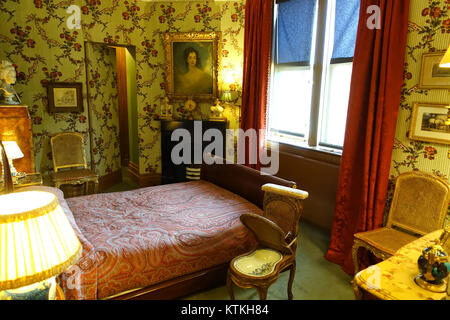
(291, 281)
(262, 291)
(230, 286)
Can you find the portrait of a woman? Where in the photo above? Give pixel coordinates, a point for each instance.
(193, 79)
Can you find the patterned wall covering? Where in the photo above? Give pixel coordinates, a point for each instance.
(102, 95)
(429, 31)
(35, 37)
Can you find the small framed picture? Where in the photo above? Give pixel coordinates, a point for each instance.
(65, 97)
(429, 123)
(431, 75)
(192, 63)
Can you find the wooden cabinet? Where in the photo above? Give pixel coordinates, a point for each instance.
(15, 124)
(173, 173)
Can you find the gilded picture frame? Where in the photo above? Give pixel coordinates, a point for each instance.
(192, 65)
(65, 97)
(431, 75)
(428, 123)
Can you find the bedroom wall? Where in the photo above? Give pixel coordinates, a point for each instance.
(429, 31)
(34, 36)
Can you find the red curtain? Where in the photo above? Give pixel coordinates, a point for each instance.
(372, 117)
(257, 61)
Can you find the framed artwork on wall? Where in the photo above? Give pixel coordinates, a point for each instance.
(65, 97)
(431, 75)
(430, 123)
(192, 64)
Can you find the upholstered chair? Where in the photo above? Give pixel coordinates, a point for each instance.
(419, 206)
(69, 161)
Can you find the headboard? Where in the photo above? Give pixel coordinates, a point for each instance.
(15, 124)
(241, 180)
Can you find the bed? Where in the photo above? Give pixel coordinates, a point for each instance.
(162, 242)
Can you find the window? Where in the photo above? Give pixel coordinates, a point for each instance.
(314, 43)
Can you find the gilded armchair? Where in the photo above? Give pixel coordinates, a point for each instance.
(69, 161)
(419, 207)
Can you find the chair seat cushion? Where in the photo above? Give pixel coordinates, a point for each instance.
(76, 174)
(386, 239)
(258, 263)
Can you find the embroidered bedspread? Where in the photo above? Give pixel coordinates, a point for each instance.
(137, 238)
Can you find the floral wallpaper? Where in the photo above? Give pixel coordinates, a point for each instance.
(102, 95)
(35, 37)
(429, 31)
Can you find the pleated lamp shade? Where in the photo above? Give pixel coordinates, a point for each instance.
(445, 63)
(37, 240)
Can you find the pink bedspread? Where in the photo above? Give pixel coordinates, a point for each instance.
(137, 238)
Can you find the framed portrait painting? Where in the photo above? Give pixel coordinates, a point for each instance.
(64, 97)
(431, 75)
(430, 123)
(192, 63)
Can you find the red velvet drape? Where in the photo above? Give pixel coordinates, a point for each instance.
(257, 60)
(372, 117)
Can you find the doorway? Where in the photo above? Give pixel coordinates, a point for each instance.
(112, 102)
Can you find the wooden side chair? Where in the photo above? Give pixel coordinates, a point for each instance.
(69, 161)
(276, 233)
(419, 206)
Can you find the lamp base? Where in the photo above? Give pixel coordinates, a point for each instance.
(438, 287)
(44, 290)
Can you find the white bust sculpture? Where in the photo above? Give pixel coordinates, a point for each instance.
(7, 79)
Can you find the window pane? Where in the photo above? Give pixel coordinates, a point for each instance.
(295, 31)
(290, 100)
(334, 113)
(345, 29)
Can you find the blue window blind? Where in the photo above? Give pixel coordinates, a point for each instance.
(346, 27)
(295, 31)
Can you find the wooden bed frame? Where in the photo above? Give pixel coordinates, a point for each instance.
(241, 180)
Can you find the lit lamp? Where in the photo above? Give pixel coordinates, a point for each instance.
(37, 243)
(13, 152)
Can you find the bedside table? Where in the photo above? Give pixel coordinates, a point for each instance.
(29, 179)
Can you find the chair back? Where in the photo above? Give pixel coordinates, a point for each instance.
(420, 203)
(267, 233)
(68, 151)
(283, 211)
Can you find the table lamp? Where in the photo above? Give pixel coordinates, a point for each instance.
(13, 152)
(37, 243)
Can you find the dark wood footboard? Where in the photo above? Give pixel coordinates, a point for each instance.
(241, 180)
